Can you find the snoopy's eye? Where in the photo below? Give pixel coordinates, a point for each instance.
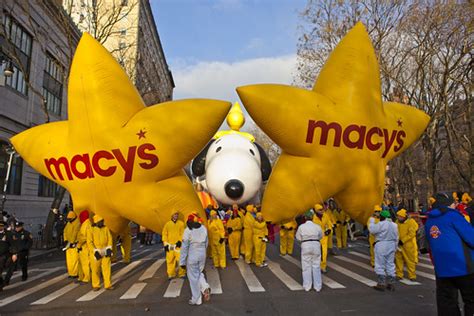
(218, 149)
(251, 151)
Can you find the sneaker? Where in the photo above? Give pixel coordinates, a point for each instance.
(413, 279)
(95, 289)
(190, 302)
(207, 294)
(399, 278)
(379, 287)
(324, 270)
(264, 265)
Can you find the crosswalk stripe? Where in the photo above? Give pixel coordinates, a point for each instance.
(214, 280)
(174, 288)
(250, 279)
(369, 268)
(133, 291)
(148, 274)
(36, 277)
(330, 283)
(283, 276)
(55, 294)
(351, 274)
(89, 296)
(32, 290)
(17, 274)
(420, 273)
(427, 259)
(424, 265)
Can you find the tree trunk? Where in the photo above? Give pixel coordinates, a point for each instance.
(53, 213)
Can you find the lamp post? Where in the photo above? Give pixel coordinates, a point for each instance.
(10, 152)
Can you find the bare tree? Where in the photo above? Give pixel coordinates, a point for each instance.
(425, 55)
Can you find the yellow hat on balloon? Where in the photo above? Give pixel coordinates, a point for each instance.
(318, 207)
(377, 208)
(97, 218)
(71, 215)
(402, 213)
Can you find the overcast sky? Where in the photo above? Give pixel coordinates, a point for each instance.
(214, 46)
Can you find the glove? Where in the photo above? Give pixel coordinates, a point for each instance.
(65, 243)
(400, 243)
(221, 240)
(327, 232)
(291, 228)
(229, 230)
(283, 227)
(265, 239)
(338, 222)
(97, 255)
(73, 245)
(178, 244)
(79, 249)
(183, 266)
(334, 226)
(108, 253)
(167, 248)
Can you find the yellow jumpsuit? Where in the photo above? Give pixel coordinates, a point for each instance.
(287, 237)
(125, 246)
(248, 239)
(171, 234)
(242, 240)
(325, 224)
(333, 220)
(259, 231)
(84, 251)
(216, 227)
(72, 257)
(100, 239)
(371, 243)
(409, 250)
(235, 236)
(341, 228)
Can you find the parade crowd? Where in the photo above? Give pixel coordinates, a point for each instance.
(396, 237)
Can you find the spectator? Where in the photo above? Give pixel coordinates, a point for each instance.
(59, 227)
(451, 239)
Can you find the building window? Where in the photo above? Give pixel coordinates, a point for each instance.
(14, 181)
(53, 85)
(21, 41)
(46, 187)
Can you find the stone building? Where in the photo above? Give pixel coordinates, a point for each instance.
(37, 40)
(127, 29)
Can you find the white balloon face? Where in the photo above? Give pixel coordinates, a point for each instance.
(233, 173)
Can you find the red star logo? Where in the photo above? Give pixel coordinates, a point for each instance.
(141, 134)
(399, 122)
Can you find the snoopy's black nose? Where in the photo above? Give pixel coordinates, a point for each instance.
(234, 189)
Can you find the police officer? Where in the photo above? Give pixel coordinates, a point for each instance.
(5, 240)
(22, 240)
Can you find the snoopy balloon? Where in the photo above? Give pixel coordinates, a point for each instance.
(232, 167)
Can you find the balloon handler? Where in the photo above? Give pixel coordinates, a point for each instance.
(172, 235)
(101, 241)
(71, 232)
(193, 259)
(386, 241)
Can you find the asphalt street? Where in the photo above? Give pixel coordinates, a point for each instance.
(142, 287)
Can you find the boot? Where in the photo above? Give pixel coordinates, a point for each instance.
(380, 283)
(390, 283)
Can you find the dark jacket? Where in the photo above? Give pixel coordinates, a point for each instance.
(5, 242)
(22, 241)
(451, 240)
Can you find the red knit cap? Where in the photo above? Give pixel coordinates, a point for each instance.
(84, 216)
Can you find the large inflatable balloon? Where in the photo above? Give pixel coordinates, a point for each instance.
(115, 156)
(232, 167)
(337, 138)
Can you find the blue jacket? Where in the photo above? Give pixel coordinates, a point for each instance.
(451, 240)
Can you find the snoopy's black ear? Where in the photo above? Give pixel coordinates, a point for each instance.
(265, 164)
(198, 165)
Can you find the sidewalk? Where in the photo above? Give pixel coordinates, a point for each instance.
(40, 253)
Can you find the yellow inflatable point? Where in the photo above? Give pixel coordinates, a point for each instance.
(116, 157)
(337, 138)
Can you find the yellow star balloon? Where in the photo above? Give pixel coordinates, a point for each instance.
(336, 139)
(117, 157)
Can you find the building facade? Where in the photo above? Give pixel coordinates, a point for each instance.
(37, 40)
(128, 30)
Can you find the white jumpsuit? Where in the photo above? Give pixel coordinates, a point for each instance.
(386, 241)
(309, 235)
(193, 255)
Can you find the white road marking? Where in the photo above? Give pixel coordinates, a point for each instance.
(133, 291)
(214, 280)
(351, 274)
(369, 268)
(424, 265)
(32, 290)
(148, 274)
(250, 279)
(36, 277)
(89, 296)
(330, 283)
(420, 273)
(174, 288)
(55, 294)
(283, 276)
